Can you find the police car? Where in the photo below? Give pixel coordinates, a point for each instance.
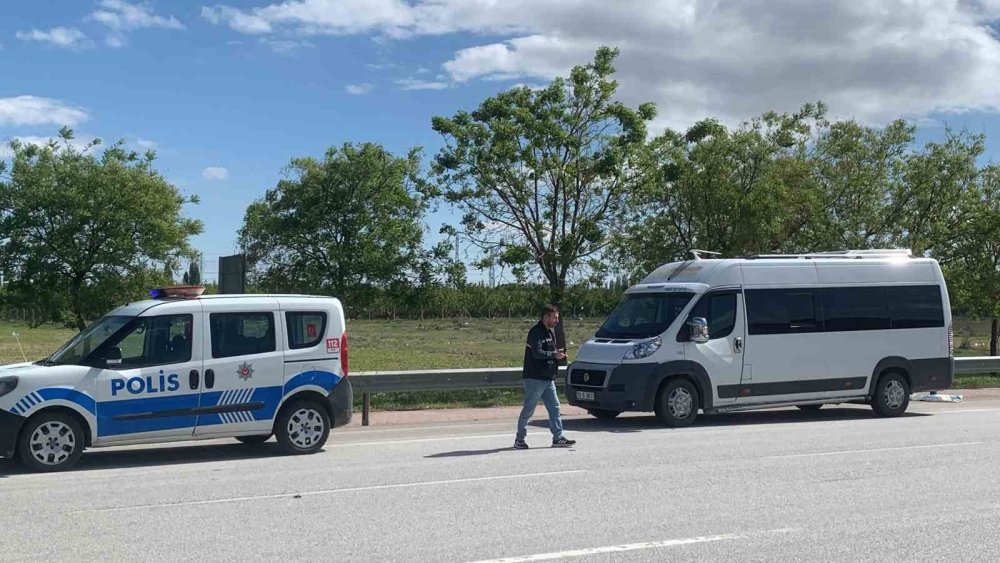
(183, 366)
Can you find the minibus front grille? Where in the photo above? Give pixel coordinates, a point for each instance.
(587, 377)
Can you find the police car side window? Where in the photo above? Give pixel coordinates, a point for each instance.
(305, 330)
(152, 341)
(242, 334)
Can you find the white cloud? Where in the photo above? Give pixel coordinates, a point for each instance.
(870, 59)
(34, 110)
(146, 144)
(286, 46)
(358, 89)
(414, 84)
(215, 173)
(65, 37)
(119, 15)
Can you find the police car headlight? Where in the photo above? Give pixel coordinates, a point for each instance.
(7, 384)
(644, 349)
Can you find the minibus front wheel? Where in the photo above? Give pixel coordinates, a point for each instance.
(677, 403)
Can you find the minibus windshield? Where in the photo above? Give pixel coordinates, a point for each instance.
(644, 315)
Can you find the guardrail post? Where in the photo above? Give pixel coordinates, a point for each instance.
(366, 403)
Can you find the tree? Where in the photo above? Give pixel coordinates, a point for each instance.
(875, 190)
(75, 227)
(335, 224)
(540, 174)
(972, 257)
(737, 192)
(193, 275)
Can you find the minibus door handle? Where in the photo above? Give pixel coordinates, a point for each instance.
(738, 344)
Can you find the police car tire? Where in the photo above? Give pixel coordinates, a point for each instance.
(663, 411)
(253, 440)
(286, 440)
(24, 442)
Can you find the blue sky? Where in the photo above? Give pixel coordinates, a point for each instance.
(227, 94)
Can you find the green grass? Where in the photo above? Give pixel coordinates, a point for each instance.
(440, 344)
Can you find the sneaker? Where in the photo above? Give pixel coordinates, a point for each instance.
(563, 442)
(520, 445)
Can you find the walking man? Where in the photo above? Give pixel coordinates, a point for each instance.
(541, 365)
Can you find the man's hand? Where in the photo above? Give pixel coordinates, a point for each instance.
(560, 355)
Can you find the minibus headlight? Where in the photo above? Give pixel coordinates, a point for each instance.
(644, 349)
(7, 384)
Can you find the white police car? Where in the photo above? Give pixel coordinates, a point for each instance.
(183, 366)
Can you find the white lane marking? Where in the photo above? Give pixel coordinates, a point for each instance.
(841, 452)
(966, 410)
(419, 440)
(335, 491)
(622, 548)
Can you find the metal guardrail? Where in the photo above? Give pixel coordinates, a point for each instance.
(368, 382)
(978, 364)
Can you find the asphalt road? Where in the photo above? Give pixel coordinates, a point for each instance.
(837, 484)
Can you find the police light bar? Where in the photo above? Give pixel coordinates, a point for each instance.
(177, 292)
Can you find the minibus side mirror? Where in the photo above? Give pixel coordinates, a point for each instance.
(113, 358)
(699, 330)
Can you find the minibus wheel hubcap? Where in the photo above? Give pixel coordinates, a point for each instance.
(679, 402)
(894, 394)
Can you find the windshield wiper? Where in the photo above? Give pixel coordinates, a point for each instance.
(45, 362)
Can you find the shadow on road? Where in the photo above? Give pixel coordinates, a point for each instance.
(649, 422)
(121, 459)
(469, 453)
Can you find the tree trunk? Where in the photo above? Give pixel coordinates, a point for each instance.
(994, 335)
(556, 291)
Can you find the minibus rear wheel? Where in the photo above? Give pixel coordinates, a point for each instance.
(892, 395)
(677, 403)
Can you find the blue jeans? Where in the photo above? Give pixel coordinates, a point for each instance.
(535, 389)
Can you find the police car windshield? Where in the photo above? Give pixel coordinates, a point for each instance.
(644, 315)
(77, 349)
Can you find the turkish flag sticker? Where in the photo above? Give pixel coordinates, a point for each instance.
(311, 331)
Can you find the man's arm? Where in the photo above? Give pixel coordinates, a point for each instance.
(535, 338)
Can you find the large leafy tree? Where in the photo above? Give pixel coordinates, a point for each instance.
(80, 232)
(734, 191)
(972, 254)
(541, 174)
(336, 224)
(875, 189)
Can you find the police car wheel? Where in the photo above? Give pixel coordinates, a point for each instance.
(51, 442)
(303, 427)
(253, 440)
(677, 404)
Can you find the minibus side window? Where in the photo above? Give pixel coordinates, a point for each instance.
(855, 308)
(916, 307)
(781, 311)
(719, 310)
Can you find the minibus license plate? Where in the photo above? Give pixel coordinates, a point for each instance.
(585, 395)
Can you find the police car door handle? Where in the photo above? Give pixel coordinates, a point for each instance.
(193, 379)
(738, 344)
(209, 378)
